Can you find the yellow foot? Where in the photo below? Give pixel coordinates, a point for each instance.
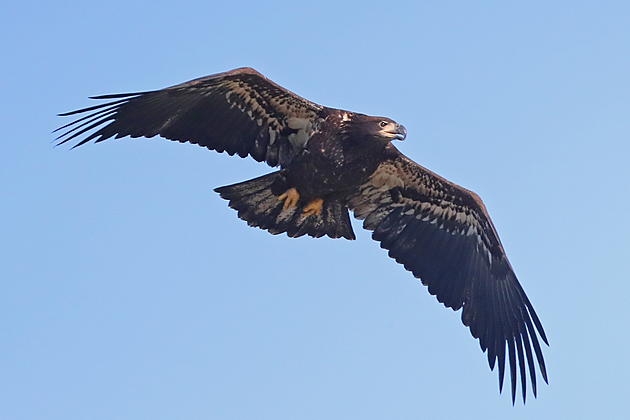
(290, 197)
(314, 207)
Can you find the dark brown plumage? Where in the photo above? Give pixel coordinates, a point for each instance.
(333, 161)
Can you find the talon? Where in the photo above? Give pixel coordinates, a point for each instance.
(290, 197)
(314, 207)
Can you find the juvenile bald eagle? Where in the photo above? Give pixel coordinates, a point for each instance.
(332, 161)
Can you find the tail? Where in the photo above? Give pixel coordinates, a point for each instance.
(257, 203)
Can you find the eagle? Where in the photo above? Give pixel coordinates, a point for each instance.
(330, 162)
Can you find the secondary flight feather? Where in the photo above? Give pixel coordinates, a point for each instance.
(332, 161)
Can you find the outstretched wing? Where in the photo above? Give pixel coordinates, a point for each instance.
(239, 112)
(443, 234)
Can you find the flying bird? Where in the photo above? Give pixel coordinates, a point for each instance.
(331, 162)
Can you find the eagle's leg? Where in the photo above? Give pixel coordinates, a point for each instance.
(290, 197)
(314, 207)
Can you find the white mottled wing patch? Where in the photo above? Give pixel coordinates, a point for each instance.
(430, 199)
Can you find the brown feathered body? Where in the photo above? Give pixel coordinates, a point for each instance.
(338, 158)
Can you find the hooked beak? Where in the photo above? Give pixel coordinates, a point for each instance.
(400, 133)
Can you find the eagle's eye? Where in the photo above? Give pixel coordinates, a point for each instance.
(383, 123)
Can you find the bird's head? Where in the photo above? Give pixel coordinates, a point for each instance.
(380, 128)
(389, 129)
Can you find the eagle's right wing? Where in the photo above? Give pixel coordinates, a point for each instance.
(239, 112)
(443, 234)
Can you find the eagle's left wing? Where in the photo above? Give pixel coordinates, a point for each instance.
(443, 234)
(239, 112)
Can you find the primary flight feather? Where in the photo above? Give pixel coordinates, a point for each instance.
(333, 161)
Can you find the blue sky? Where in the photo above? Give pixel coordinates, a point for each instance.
(130, 290)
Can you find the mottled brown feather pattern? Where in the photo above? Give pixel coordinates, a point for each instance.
(238, 112)
(443, 234)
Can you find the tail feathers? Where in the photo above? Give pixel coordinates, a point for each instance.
(257, 203)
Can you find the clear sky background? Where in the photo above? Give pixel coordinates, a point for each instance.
(129, 290)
